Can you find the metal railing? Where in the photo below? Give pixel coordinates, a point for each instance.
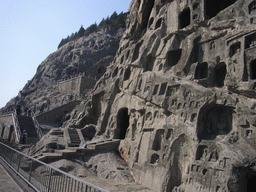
(43, 177)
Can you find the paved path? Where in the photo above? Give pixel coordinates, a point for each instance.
(6, 182)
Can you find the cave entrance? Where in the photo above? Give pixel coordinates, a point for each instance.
(173, 57)
(213, 7)
(122, 122)
(214, 120)
(184, 18)
(220, 74)
(201, 71)
(253, 69)
(250, 182)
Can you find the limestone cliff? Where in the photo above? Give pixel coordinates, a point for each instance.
(180, 95)
(85, 57)
(177, 102)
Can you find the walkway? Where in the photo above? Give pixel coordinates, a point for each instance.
(7, 184)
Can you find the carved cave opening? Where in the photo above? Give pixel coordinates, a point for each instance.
(158, 140)
(234, 48)
(253, 69)
(96, 105)
(243, 180)
(163, 88)
(213, 7)
(150, 21)
(155, 89)
(149, 63)
(250, 182)
(220, 74)
(122, 123)
(128, 54)
(127, 74)
(154, 158)
(173, 57)
(169, 134)
(136, 51)
(196, 6)
(252, 7)
(122, 60)
(146, 13)
(250, 41)
(214, 120)
(201, 71)
(200, 151)
(114, 74)
(184, 18)
(181, 154)
(158, 23)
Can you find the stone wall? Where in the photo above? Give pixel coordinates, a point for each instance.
(77, 84)
(6, 126)
(54, 116)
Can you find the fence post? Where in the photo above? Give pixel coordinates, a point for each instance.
(19, 163)
(1, 147)
(4, 156)
(49, 184)
(30, 170)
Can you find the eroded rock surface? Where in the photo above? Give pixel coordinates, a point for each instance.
(180, 94)
(177, 102)
(58, 78)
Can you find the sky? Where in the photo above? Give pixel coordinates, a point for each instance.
(30, 30)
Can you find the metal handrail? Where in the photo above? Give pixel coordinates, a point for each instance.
(41, 176)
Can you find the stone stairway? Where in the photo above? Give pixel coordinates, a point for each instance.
(27, 123)
(74, 137)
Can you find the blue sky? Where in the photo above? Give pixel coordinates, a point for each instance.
(32, 29)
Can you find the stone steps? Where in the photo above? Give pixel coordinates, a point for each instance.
(74, 137)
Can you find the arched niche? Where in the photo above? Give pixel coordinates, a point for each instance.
(201, 150)
(114, 74)
(234, 48)
(220, 74)
(201, 71)
(173, 57)
(184, 18)
(127, 74)
(214, 120)
(158, 140)
(122, 123)
(252, 7)
(180, 154)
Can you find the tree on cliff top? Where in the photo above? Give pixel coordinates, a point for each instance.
(114, 20)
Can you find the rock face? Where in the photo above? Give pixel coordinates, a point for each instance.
(180, 94)
(179, 98)
(66, 73)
